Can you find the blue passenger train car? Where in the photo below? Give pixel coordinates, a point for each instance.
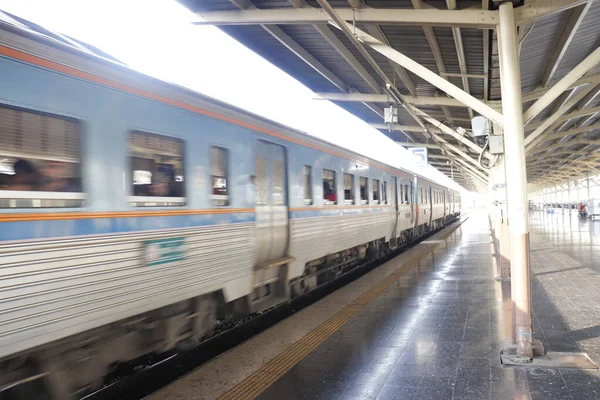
(134, 213)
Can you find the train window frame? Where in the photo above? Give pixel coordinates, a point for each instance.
(364, 194)
(307, 183)
(401, 193)
(324, 179)
(142, 201)
(43, 125)
(219, 200)
(352, 199)
(375, 184)
(384, 197)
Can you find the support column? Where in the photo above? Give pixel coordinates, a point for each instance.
(517, 185)
(588, 189)
(569, 198)
(500, 212)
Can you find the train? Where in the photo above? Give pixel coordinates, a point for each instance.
(135, 214)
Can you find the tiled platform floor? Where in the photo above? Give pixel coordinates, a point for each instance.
(436, 334)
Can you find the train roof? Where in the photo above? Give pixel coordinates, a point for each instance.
(39, 34)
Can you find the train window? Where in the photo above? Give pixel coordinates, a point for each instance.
(384, 193)
(218, 173)
(348, 189)
(421, 196)
(401, 194)
(278, 180)
(364, 190)
(40, 160)
(307, 185)
(261, 180)
(406, 195)
(329, 187)
(376, 194)
(157, 167)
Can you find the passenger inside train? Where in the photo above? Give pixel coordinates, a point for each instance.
(40, 175)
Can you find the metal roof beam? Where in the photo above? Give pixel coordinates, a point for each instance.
(435, 50)
(566, 117)
(537, 93)
(302, 53)
(535, 9)
(588, 63)
(566, 37)
(376, 32)
(575, 131)
(537, 136)
(400, 128)
(451, 132)
(564, 144)
(390, 88)
(586, 101)
(472, 165)
(469, 18)
(462, 75)
(486, 56)
(343, 51)
(428, 145)
(383, 98)
(460, 52)
(428, 75)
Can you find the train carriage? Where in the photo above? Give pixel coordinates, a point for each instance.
(135, 213)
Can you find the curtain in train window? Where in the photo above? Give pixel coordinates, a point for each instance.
(308, 185)
(364, 190)
(157, 169)
(349, 188)
(39, 153)
(218, 172)
(329, 187)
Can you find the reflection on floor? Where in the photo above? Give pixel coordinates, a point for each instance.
(436, 333)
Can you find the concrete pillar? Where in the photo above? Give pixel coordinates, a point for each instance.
(499, 210)
(569, 199)
(517, 184)
(588, 188)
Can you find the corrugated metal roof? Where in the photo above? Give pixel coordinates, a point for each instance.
(536, 53)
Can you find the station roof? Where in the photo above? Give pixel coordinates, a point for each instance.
(455, 39)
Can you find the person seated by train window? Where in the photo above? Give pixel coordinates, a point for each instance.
(328, 194)
(56, 178)
(25, 177)
(159, 186)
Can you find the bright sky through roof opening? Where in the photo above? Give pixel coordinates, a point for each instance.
(156, 37)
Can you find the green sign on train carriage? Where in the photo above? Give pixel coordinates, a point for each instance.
(163, 251)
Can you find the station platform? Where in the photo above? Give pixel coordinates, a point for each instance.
(428, 324)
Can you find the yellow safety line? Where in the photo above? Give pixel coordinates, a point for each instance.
(264, 377)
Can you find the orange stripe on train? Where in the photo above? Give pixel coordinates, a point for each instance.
(117, 214)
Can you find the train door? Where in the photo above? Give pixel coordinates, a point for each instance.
(396, 211)
(271, 210)
(413, 203)
(430, 205)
